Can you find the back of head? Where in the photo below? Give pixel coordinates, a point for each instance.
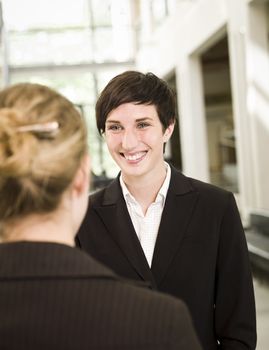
(42, 141)
(138, 88)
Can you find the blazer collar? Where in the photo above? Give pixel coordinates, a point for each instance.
(179, 184)
(178, 210)
(179, 206)
(113, 192)
(114, 214)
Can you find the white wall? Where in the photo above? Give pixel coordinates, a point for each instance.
(177, 45)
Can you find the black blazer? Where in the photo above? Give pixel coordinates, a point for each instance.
(54, 297)
(200, 255)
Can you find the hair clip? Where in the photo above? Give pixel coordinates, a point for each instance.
(49, 128)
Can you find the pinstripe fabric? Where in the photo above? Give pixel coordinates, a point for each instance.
(56, 297)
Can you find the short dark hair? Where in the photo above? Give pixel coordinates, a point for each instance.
(139, 88)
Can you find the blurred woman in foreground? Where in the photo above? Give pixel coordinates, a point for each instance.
(53, 296)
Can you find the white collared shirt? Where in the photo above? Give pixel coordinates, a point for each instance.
(147, 226)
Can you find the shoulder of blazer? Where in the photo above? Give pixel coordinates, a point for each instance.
(186, 184)
(211, 192)
(181, 184)
(49, 259)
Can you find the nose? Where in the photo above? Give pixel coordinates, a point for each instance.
(129, 139)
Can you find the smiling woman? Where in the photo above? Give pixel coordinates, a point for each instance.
(158, 225)
(135, 139)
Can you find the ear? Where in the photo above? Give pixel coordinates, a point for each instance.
(81, 181)
(168, 132)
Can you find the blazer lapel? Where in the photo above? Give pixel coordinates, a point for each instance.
(180, 203)
(115, 216)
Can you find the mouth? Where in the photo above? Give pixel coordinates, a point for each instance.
(134, 157)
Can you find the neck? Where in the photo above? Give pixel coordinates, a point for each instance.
(146, 188)
(41, 228)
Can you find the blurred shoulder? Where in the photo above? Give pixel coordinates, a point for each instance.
(208, 192)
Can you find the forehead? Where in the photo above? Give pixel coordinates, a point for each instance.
(132, 111)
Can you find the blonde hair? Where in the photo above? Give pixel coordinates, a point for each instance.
(43, 138)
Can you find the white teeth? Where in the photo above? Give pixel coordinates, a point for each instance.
(134, 156)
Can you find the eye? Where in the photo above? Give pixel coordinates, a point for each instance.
(142, 125)
(114, 127)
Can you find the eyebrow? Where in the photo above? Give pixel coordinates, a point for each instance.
(136, 120)
(112, 121)
(143, 119)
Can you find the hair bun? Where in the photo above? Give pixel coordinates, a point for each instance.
(16, 148)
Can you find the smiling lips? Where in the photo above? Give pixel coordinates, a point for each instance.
(135, 157)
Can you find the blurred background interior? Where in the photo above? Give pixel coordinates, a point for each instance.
(213, 53)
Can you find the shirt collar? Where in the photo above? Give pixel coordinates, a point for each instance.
(161, 196)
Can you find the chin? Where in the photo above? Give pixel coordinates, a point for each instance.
(134, 172)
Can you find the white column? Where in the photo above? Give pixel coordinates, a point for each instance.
(237, 22)
(192, 118)
(258, 98)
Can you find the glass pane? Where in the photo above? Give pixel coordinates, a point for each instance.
(123, 48)
(94, 140)
(42, 47)
(158, 10)
(121, 13)
(171, 5)
(27, 14)
(111, 13)
(103, 45)
(101, 161)
(113, 45)
(101, 12)
(78, 87)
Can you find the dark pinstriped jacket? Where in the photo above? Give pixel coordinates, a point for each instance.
(56, 297)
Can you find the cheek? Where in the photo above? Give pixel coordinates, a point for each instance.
(155, 141)
(112, 142)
